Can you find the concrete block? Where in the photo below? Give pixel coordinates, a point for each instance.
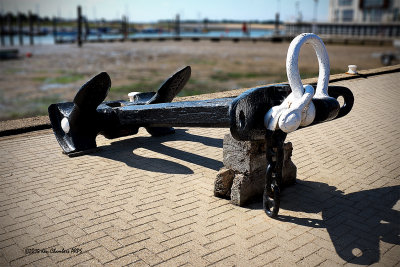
(243, 156)
(243, 176)
(246, 187)
(289, 169)
(223, 183)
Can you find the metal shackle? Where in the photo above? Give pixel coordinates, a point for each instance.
(298, 109)
(292, 65)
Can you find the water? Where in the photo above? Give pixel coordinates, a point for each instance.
(49, 39)
(46, 39)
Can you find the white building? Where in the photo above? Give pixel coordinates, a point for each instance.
(364, 11)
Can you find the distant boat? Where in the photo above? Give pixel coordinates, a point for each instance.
(152, 30)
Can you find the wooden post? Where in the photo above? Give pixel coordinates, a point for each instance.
(177, 25)
(10, 30)
(38, 25)
(2, 30)
(127, 27)
(20, 33)
(55, 29)
(124, 26)
(276, 31)
(249, 29)
(87, 29)
(79, 26)
(30, 28)
(205, 25)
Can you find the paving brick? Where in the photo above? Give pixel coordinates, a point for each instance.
(179, 231)
(109, 243)
(45, 262)
(140, 263)
(282, 261)
(75, 260)
(12, 234)
(329, 263)
(177, 241)
(327, 254)
(28, 259)
(90, 237)
(126, 250)
(180, 260)
(124, 261)
(7, 243)
(267, 258)
(173, 252)
(58, 227)
(51, 235)
(149, 257)
(102, 254)
(263, 247)
(311, 260)
(85, 247)
(149, 201)
(24, 241)
(393, 253)
(13, 252)
(91, 262)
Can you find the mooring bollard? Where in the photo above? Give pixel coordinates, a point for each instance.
(263, 113)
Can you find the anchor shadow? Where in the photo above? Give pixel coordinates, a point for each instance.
(356, 222)
(124, 151)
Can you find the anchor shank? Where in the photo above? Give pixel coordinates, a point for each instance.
(203, 113)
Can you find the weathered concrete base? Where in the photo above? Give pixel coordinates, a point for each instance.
(223, 183)
(243, 175)
(289, 169)
(246, 187)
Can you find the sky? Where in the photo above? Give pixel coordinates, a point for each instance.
(154, 10)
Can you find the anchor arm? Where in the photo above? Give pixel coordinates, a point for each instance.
(77, 124)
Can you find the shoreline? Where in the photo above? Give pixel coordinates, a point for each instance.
(54, 73)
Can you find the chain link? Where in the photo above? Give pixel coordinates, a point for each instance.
(274, 153)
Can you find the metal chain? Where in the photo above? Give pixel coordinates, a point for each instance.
(274, 153)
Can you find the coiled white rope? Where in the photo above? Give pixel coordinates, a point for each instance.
(297, 109)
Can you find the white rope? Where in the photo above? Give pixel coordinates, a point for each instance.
(297, 109)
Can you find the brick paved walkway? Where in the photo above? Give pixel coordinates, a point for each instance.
(149, 201)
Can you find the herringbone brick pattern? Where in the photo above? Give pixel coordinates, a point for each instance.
(146, 201)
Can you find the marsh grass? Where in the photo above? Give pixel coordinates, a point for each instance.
(12, 70)
(213, 83)
(265, 76)
(33, 107)
(122, 91)
(64, 79)
(223, 76)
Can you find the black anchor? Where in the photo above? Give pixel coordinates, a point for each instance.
(76, 124)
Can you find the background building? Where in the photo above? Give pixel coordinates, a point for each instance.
(364, 11)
